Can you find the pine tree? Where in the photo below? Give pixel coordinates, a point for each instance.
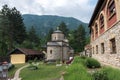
(82, 37)
(64, 28)
(78, 39)
(19, 28)
(12, 26)
(33, 37)
(49, 34)
(4, 23)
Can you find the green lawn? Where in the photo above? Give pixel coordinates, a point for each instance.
(13, 70)
(76, 71)
(44, 72)
(112, 73)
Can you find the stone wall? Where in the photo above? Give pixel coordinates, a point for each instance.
(105, 38)
(56, 53)
(65, 53)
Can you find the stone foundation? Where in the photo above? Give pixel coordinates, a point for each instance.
(112, 59)
(107, 57)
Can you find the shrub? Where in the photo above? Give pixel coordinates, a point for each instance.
(92, 63)
(83, 57)
(33, 67)
(112, 73)
(11, 67)
(78, 60)
(30, 62)
(100, 75)
(35, 59)
(58, 61)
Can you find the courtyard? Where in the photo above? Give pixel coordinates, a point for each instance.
(75, 71)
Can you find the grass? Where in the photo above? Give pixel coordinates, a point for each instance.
(112, 73)
(44, 72)
(13, 70)
(77, 71)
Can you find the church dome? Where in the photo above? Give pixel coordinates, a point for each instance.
(57, 35)
(57, 31)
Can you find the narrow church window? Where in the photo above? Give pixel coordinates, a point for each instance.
(102, 48)
(101, 21)
(96, 49)
(96, 28)
(93, 50)
(113, 46)
(92, 33)
(50, 51)
(111, 7)
(55, 38)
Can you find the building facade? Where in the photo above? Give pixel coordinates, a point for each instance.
(105, 31)
(58, 48)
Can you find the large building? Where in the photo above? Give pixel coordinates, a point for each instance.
(58, 48)
(105, 31)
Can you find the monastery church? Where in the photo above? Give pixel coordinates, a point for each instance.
(58, 48)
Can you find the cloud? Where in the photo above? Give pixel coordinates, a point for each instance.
(80, 9)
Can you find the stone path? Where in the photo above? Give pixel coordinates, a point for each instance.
(62, 78)
(16, 76)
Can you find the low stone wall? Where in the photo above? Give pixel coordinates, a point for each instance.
(112, 59)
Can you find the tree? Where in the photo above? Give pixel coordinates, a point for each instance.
(87, 40)
(33, 37)
(12, 27)
(78, 39)
(49, 34)
(19, 28)
(64, 28)
(4, 23)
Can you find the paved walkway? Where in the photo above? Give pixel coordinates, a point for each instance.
(62, 78)
(16, 76)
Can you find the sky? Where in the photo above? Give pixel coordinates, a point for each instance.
(79, 9)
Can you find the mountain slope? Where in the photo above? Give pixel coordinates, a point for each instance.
(43, 23)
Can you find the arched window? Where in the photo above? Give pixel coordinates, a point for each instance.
(101, 21)
(96, 28)
(111, 8)
(92, 33)
(50, 51)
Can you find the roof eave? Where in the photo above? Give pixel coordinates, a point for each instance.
(96, 10)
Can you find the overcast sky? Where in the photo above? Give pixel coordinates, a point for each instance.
(80, 9)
